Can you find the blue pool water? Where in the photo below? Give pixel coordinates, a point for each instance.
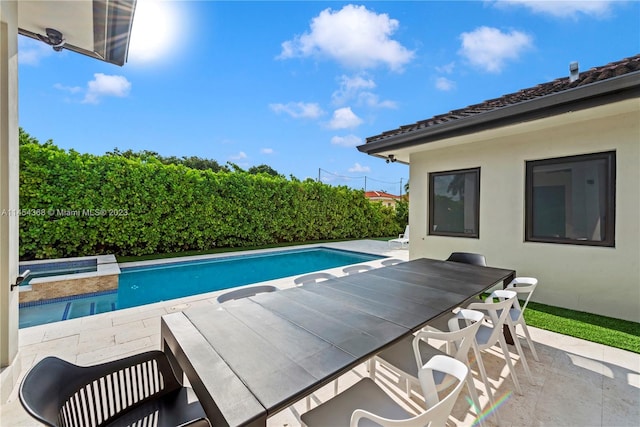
(160, 282)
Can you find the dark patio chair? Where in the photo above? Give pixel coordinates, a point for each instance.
(136, 390)
(245, 292)
(468, 258)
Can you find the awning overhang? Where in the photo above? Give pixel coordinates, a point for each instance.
(100, 29)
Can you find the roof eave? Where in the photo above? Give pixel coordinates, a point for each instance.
(112, 21)
(581, 97)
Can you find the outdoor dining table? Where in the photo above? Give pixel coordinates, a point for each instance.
(250, 358)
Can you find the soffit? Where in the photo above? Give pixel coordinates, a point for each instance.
(100, 29)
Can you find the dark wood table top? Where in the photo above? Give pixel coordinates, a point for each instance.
(271, 350)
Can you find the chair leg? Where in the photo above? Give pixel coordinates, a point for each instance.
(474, 397)
(529, 341)
(525, 365)
(487, 385)
(507, 358)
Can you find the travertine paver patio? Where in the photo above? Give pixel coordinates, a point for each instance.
(577, 383)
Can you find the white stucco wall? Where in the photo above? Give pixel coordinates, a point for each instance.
(9, 160)
(600, 280)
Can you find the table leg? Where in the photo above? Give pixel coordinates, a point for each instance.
(507, 333)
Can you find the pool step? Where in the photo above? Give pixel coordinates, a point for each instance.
(75, 309)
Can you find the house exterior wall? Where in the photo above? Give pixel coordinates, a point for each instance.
(602, 280)
(9, 152)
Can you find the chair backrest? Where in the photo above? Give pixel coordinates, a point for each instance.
(438, 410)
(352, 269)
(406, 232)
(391, 261)
(524, 286)
(498, 311)
(58, 393)
(468, 258)
(462, 338)
(245, 292)
(313, 278)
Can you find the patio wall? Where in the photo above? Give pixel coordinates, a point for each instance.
(602, 280)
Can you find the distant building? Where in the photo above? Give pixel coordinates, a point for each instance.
(385, 198)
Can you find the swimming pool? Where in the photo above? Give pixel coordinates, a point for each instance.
(160, 282)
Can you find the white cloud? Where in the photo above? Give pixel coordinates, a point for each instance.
(267, 151)
(350, 87)
(298, 110)
(105, 85)
(489, 48)
(561, 8)
(346, 141)
(344, 118)
(353, 36)
(357, 88)
(70, 89)
(446, 68)
(31, 51)
(359, 168)
(241, 155)
(444, 84)
(372, 100)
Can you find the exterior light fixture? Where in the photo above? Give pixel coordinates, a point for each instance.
(391, 158)
(53, 38)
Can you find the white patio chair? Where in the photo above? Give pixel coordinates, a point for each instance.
(391, 261)
(245, 292)
(491, 332)
(367, 401)
(313, 278)
(406, 357)
(353, 269)
(403, 238)
(524, 286)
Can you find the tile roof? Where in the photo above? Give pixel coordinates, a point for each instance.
(594, 75)
(372, 194)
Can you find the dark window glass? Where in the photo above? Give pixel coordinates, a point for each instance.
(454, 203)
(571, 200)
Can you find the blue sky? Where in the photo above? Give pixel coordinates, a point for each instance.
(297, 85)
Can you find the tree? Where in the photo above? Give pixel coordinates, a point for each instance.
(254, 170)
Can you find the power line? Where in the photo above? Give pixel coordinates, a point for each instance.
(365, 178)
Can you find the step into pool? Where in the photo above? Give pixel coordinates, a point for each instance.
(157, 282)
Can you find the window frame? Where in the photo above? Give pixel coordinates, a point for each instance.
(431, 177)
(610, 198)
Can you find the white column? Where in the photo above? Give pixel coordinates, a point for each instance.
(9, 184)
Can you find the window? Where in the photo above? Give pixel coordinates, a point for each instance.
(454, 203)
(571, 200)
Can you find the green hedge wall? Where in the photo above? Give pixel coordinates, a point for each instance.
(76, 204)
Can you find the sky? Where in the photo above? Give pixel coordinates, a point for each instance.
(298, 85)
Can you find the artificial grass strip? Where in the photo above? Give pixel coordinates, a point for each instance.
(617, 333)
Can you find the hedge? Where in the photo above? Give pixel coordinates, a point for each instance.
(74, 204)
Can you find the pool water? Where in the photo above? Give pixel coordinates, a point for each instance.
(55, 310)
(160, 282)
